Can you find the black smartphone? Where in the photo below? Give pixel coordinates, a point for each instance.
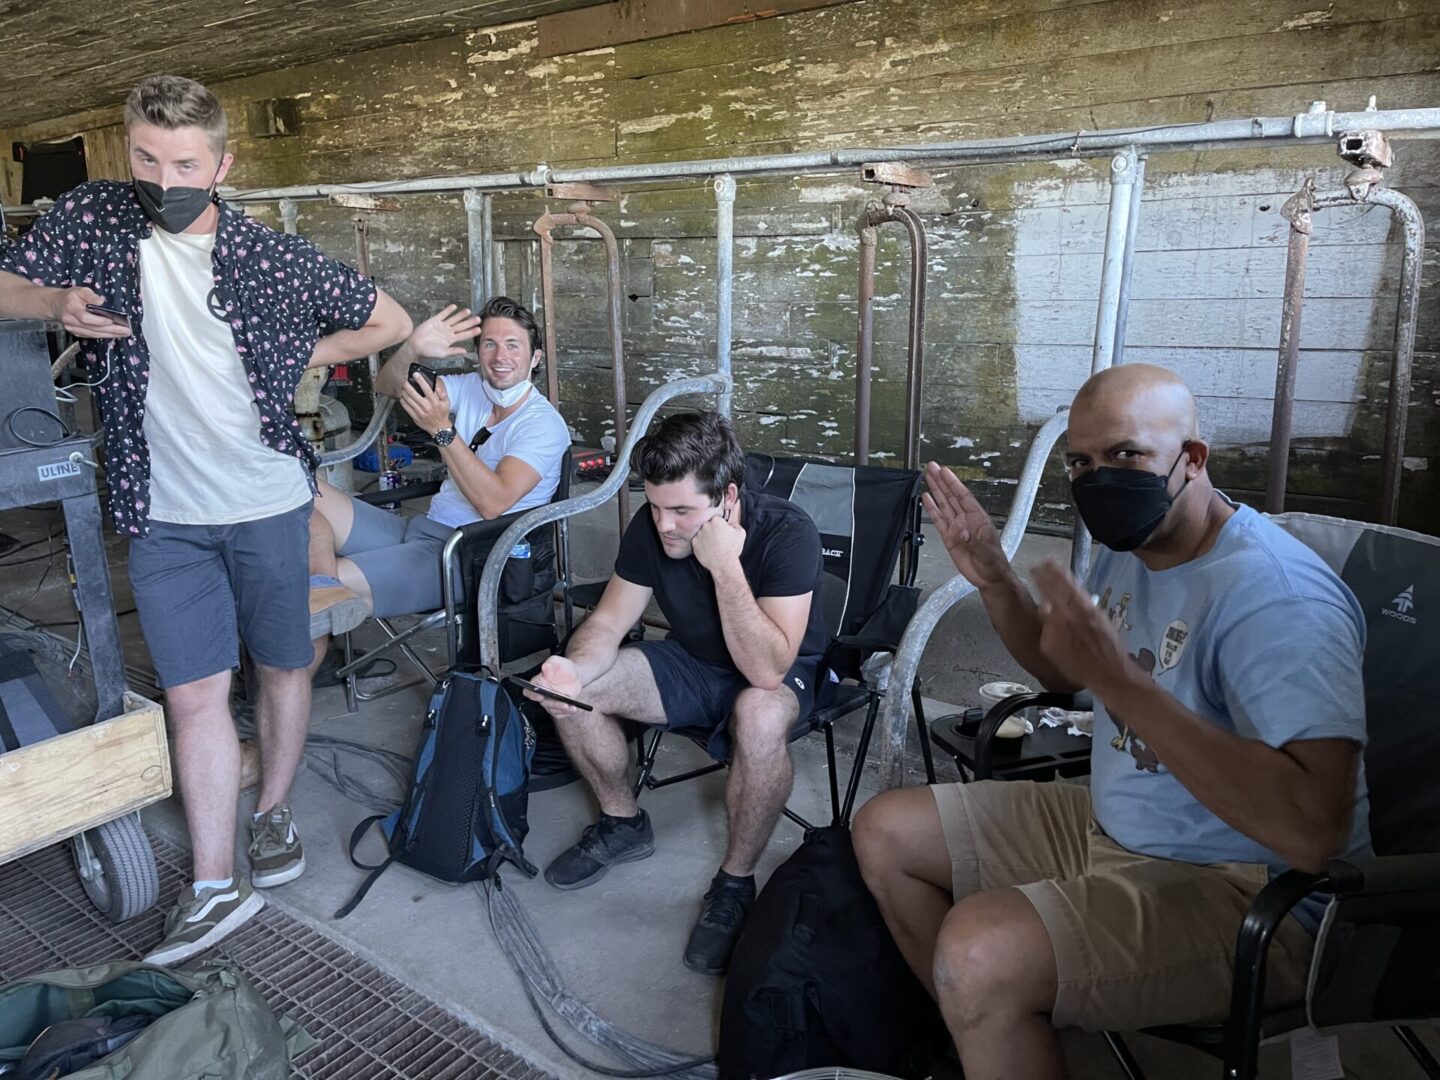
(430, 374)
(544, 691)
(113, 314)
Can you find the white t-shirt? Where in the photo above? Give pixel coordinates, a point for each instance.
(207, 463)
(535, 433)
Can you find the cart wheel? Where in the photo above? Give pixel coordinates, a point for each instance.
(117, 868)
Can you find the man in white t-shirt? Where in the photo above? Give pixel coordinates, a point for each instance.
(198, 323)
(500, 439)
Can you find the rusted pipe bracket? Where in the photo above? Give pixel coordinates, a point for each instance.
(896, 174)
(357, 201)
(1300, 206)
(1365, 149)
(586, 193)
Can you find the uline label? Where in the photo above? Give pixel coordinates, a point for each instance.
(58, 471)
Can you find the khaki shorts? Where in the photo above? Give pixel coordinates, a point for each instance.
(1139, 941)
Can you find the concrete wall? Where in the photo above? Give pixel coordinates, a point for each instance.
(1015, 249)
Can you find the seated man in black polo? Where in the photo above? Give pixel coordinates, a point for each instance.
(734, 573)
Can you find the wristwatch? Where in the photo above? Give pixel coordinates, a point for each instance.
(445, 436)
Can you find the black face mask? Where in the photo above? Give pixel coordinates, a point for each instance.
(174, 209)
(1122, 507)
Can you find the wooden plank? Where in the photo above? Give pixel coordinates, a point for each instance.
(640, 20)
(54, 789)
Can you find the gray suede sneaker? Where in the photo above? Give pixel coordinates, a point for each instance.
(275, 852)
(197, 923)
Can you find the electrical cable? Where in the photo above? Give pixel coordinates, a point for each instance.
(66, 433)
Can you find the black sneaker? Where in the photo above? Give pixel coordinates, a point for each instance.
(609, 841)
(712, 941)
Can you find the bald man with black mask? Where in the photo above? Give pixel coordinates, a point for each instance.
(1225, 661)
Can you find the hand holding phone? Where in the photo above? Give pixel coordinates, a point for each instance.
(545, 691)
(430, 375)
(113, 315)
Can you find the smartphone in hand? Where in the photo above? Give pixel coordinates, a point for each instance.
(544, 691)
(430, 375)
(115, 315)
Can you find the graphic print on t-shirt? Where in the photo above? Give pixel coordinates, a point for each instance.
(1144, 659)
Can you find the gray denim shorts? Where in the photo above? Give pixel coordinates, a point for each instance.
(400, 558)
(201, 589)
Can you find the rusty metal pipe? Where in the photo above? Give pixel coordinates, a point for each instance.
(1297, 211)
(1361, 191)
(579, 217)
(874, 216)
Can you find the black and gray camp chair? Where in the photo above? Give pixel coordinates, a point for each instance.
(1377, 956)
(527, 611)
(869, 520)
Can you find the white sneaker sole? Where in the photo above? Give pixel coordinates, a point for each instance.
(277, 877)
(248, 909)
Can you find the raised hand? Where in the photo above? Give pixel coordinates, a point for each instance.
(965, 529)
(437, 337)
(1076, 636)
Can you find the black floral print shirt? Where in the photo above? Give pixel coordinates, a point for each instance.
(280, 293)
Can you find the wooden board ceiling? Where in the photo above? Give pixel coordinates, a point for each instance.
(59, 57)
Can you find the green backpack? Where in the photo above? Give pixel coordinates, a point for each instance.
(209, 1024)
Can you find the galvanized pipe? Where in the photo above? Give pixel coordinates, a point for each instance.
(1317, 126)
(1127, 265)
(871, 219)
(1123, 169)
(724, 186)
(896, 715)
(543, 515)
(1297, 210)
(580, 217)
(487, 245)
(475, 240)
(289, 216)
(547, 303)
(865, 344)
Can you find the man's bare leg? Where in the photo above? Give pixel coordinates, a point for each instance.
(761, 774)
(595, 741)
(996, 982)
(334, 608)
(283, 719)
(207, 756)
(900, 846)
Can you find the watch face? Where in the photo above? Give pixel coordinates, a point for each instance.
(444, 437)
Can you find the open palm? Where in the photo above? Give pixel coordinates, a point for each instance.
(438, 336)
(965, 528)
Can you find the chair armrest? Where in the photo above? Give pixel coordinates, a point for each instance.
(401, 494)
(1252, 945)
(1003, 710)
(1385, 874)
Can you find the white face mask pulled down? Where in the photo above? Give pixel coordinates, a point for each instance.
(503, 399)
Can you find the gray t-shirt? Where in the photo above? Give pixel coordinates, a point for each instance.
(1258, 636)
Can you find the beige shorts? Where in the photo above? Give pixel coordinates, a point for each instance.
(1139, 941)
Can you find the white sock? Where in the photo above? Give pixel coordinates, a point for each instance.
(222, 884)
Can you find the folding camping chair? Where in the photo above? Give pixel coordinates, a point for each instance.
(1377, 957)
(869, 519)
(527, 609)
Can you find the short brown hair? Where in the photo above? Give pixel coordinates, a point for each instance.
(696, 444)
(173, 101)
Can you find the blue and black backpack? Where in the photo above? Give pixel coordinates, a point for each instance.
(465, 812)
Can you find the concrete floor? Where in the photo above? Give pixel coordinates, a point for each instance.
(617, 944)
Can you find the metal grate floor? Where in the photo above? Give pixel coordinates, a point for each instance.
(368, 1024)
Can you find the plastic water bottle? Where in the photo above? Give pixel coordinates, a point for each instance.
(521, 550)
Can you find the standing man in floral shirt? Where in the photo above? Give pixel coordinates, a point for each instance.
(207, 321)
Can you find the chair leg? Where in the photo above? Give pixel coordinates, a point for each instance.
(1123, 1057)
(834, 780)
(352, 700)
(920, 730)
(861, 750)
(1418, 1050)
(647, 761)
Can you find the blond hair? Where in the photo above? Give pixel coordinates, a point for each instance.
(172, 101)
